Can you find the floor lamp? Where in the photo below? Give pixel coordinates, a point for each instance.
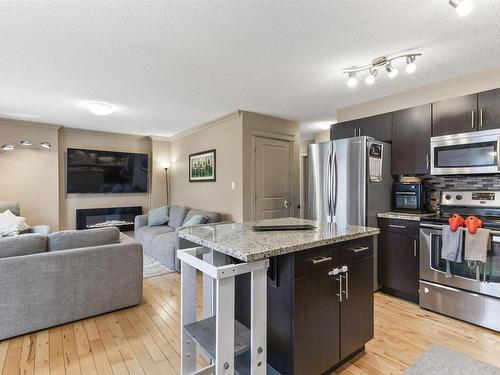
(167, 190)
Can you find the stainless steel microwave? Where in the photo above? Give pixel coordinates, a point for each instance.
(466, 153)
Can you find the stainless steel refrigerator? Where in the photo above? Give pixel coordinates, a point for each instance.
(349, 181)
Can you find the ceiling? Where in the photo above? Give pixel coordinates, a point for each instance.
(169, 66)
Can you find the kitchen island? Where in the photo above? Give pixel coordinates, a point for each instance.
(319, 288)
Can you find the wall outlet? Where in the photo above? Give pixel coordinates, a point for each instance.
(233, 185)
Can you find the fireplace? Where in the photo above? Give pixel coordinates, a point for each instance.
(120, 217)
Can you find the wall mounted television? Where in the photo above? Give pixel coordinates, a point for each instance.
(92, 171)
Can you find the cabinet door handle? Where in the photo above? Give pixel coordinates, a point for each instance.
(359, 132)
(480, 118)
(397, 226)
(415, 248)
(339, 279)
(472, 119)
(427, 161)
(354, 132)
(360, 249)
(320, 260)
(346, 277)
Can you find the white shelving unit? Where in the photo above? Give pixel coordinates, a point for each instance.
(231, 347)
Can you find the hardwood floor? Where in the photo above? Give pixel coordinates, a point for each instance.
(145, 339)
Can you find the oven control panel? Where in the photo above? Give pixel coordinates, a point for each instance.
(483, 196)
(471, 198)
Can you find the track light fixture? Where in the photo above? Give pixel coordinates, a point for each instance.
(26, 144)
(391, 71)
(352, 81)
(370, 78)
(462, 7)
(383, 63)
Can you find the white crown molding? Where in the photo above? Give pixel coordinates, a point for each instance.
(120, 135)
(205, 125)
(7, 120)
(160, 138)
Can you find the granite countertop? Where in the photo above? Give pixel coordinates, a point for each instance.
(403, 215)
(240, 241)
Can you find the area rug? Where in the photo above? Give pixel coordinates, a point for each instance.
(154, 268)
(439, 360)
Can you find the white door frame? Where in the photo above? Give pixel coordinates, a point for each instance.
(282, 137)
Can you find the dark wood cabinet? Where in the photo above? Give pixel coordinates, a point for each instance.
(316, 324)
(378, 127)
(411, 133)
(399, 258)
(455, 115)
(310, 330)
(343, 130)
(356, 309)
(489, 109)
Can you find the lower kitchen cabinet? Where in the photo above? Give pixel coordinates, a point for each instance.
(399, 258)
(320, 306)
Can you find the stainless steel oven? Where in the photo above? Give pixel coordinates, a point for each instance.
(466, 153)
(433, 268)
(471, 293)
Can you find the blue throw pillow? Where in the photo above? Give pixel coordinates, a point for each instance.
(158, 216)
(196, 220)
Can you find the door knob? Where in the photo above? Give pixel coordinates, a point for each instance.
(286, 204)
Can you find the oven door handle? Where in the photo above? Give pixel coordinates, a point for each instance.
(431, 226)
(497, 153)
(495, 233)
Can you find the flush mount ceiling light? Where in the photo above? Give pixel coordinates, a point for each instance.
(100, 108)
(46, 145)
(383, 63)
(25, 143)
(7, 147)
(462, 7)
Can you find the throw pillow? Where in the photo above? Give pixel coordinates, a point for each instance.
(11, 225)
(158, 216)
(196, 220)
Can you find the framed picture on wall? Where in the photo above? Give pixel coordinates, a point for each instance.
(202, 166)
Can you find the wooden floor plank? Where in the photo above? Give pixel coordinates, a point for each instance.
(56, 353)
(83, 350)
(145, 340)
(71, 360)
(42, 357)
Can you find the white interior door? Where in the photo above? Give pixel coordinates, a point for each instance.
(272, 178)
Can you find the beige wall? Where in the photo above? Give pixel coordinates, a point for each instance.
(30, 176)
(322, 136)
(483, 81)
(71, 138)
(224, 135)
(255, 124)
(160, 150)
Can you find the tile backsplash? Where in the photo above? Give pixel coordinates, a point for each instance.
(435, 184)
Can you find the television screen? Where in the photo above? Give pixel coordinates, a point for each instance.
(90, 171)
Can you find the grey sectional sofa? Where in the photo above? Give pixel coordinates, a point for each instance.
(66, 276)
(14, 208)
(162, 242)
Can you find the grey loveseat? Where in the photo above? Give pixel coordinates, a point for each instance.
(66, 276)
(162, 242)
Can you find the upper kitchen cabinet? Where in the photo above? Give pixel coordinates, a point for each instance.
(411, 133)
(456, 115)
(378, 127)
(489, 109)
(343, 130)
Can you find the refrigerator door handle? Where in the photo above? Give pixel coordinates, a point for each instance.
(335, 177)
(328, 185)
